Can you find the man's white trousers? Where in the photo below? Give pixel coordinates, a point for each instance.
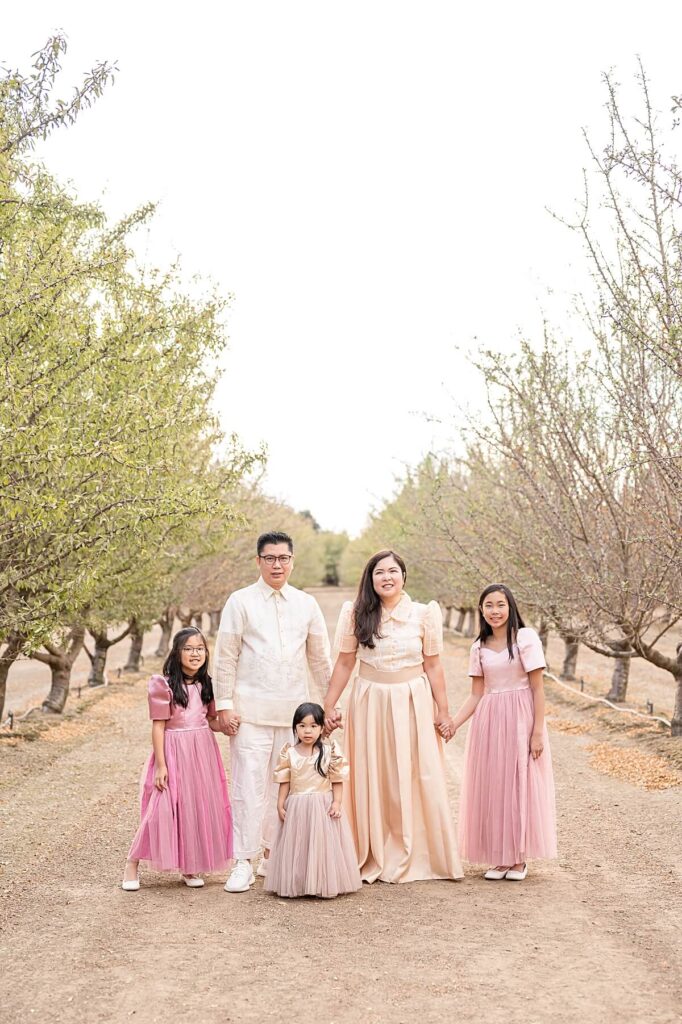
(254, 752)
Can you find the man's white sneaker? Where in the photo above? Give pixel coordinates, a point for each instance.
(241, 877)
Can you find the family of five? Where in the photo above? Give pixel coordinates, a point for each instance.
(325, 819)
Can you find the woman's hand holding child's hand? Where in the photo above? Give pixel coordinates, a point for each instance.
(161, 777)
(335, 809)
(333, 719)
(443, 724)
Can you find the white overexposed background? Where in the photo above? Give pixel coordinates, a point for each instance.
(369, 180)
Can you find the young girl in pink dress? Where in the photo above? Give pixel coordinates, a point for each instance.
(506, 811)
(186, 822)
(313, 853)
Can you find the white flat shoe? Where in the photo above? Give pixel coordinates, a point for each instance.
(241, 877)
(495, 875)
(131, 886)
(517, 876)
(262, 868)
(192, 882)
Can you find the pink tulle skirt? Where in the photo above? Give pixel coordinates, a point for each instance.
(313, 854)
(506, 813)
(187, 827)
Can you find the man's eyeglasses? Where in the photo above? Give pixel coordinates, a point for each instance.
(271, 559)
(193, 650)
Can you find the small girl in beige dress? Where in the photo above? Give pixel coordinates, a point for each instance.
(313, 853)
(397, 797)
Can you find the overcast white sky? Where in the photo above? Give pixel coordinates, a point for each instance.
(368, 179)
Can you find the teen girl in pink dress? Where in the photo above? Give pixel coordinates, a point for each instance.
(506, 814)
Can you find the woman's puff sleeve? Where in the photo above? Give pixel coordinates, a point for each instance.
(159, 696)
(433, 630)
(345, 641)
(282, 772)
(338, 769)
(530, 649)
(475, 667)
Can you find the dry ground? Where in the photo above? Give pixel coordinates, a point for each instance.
(594, 937)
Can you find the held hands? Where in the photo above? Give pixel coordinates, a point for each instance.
(333, 719)
(161, 777)
(444, 726)
(335, 809)
(536, 745)
(228, 722)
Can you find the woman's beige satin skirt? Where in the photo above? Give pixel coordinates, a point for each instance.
(397, 794)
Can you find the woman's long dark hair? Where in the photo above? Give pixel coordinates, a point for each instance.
(301, 712)
(367, 607)
(172, 669)
(514, 622)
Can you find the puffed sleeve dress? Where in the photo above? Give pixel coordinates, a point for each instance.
(313, 854)
(506, 812)
(398, 800)
(186, 827)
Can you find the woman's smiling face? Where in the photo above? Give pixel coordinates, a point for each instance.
(387, 578)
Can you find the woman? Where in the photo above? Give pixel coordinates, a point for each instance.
(397, 795)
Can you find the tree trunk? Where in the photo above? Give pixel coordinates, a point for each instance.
(166, 621)
(543, 633)
(60, 661)
(214, 622)
(7, 658)
(59, 688)
(470, 628)
(676, 723)
(621, 674)
(185, 616)
(570, 656)
(461, 615)
(99, 660)
(135, 652)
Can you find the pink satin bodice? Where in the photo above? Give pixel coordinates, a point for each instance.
(499, 673)
(194, 716)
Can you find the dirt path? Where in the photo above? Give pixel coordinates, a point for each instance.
(594, 937)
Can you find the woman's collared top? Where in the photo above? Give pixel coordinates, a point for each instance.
(409, 632)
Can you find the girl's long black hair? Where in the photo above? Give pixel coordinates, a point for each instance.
(172, 669)
(301, 712)
(514, 622)
(367, 607)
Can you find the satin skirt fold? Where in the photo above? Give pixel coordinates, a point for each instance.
(313, 854)
(186, 827)
(506, 813)
(398, 803)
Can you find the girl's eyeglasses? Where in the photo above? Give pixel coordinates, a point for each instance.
(193, 650)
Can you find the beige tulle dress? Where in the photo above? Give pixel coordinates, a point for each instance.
(397, 798)
(313, 854)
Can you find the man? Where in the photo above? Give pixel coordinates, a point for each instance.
(270, 635)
